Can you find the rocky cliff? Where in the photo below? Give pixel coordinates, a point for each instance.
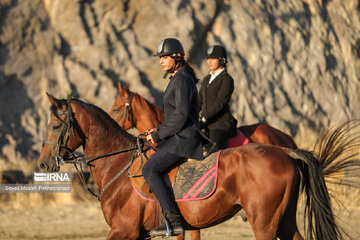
(295, 63)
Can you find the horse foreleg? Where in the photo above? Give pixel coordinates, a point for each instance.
(195, 235)
(128, 233)
(181, 237)
(114, 234)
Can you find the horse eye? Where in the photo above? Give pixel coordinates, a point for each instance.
(56, 127)
(116, 110)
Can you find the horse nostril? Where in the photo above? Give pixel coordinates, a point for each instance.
(43, 166)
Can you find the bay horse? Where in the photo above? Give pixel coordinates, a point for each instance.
(132, 110)
(263, 179)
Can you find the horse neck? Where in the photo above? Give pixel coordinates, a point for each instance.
(103, 137)
(146, 114)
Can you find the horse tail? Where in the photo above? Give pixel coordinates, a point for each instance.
(317, 208)
(338, 149)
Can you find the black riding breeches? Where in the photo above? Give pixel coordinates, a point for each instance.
(153, 173)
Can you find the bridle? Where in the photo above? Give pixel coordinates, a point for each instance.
(128, 111)
(64, 136)
(71, 123)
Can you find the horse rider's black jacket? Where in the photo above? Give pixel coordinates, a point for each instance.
(179, 134)
(214, 101)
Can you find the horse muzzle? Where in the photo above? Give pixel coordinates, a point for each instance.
(45, 167)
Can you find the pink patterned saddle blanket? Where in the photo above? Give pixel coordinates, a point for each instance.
(238, 140)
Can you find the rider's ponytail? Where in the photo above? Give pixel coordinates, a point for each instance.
(191, 71)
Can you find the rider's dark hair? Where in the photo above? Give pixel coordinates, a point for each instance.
(191, 71)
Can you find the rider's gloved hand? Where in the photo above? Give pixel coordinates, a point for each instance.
(149, 131)
(152, 136)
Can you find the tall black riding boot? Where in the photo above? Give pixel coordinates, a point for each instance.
(171, 226)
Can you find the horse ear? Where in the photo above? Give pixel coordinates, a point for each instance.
(119, 85)
(54, 101)
(123, 91)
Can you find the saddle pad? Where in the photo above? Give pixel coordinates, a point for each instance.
(192, 180)
(238, 140)
(196, 180)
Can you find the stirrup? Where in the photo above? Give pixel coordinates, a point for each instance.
(168, 230)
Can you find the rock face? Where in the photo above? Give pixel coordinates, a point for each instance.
(295, 63)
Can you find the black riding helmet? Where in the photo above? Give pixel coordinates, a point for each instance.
(171, 47)
(219, 52)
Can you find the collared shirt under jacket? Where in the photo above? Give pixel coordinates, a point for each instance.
(214, 101)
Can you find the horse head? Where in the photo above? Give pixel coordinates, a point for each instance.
(132, 110)
(63, 136)
(122, 111)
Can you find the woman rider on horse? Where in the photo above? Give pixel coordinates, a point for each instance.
(214, 97)
(178, 137)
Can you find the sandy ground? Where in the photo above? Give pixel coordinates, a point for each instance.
(78, 221)
(85, 221)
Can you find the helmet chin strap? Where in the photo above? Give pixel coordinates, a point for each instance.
(178, 64)
(166, 74)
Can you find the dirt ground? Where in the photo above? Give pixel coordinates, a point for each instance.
(85, 221)
(33, 218)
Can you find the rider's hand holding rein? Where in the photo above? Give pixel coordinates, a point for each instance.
(149, 135)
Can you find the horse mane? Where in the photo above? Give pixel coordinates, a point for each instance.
(101, 114)
(150, 107)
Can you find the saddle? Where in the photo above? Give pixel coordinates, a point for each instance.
(190, 180)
